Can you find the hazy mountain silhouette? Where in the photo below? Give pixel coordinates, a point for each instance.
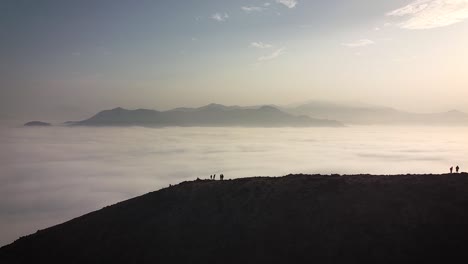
(210, 115)
(293, 219)
(370, 114)
(37, 123)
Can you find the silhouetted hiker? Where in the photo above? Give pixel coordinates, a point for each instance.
(214, 177)
(457, 168)
(451, 169)
(211, 177)
(221, 176)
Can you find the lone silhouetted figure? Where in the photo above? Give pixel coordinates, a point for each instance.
(457, 168)
(214, 177)
(451, 169)
(221, 176)
(211, 177)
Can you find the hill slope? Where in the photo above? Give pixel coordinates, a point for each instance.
(210, 115)
(320, 219)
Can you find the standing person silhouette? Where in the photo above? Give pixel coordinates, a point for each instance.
(457, 168)
(214, 177)
(451, 169)
(221, 176)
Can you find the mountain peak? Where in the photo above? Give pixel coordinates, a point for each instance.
(214, 106)
(269, 108)
(118, 109)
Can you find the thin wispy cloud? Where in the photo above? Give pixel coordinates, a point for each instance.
(288, 3)
(359, 43)
(272, 56)
(220, 17)
(427, 14)
(250, 9)
(260, 45)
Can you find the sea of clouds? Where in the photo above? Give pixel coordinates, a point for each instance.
(52, 174)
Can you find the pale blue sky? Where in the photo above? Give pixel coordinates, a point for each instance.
(64, 59)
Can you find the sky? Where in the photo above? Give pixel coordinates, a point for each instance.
(67, 60)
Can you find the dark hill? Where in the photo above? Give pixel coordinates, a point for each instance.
(292, 219)
(210, 115)
(37, 123)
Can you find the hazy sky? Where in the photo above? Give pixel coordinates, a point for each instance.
(69, 59)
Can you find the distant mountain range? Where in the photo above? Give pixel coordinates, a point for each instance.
(368, 114)
(209, 115)
(309, 114)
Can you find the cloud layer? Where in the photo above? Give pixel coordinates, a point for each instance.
(220, 17)
(288, 3)
(250, 9)
(272, 56)
(359, 43)
(50, 175)
(427, 14)
(260, 45)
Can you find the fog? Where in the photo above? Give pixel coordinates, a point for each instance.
(53, 174)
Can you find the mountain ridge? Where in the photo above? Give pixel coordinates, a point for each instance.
(311, 113)
(209, 115)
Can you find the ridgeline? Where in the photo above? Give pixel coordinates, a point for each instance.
(291, 219)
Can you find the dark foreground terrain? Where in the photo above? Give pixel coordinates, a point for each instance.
(297, 218)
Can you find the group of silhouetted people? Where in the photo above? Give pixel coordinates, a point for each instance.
(213, 177)
(456, 168)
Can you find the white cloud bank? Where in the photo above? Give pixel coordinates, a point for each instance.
(359, 43)
(260, 45)
(288, 3)
(50, 175)
(273, 55)
(427, 14)
(250, 9)
(220, 17)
